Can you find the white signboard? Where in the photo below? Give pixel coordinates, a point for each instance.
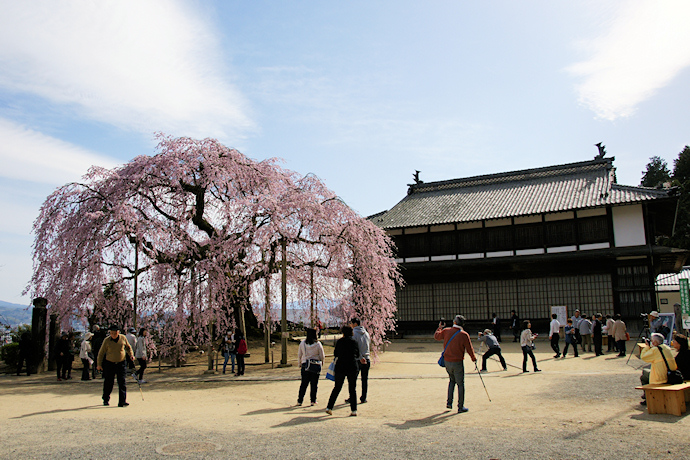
(562, 312)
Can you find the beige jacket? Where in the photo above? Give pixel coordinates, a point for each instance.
(619, 330)
(115, 351)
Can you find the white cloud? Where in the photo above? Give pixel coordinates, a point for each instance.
(31, 156)
(644, 48)
(147, 66)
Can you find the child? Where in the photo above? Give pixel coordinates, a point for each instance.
(570, 338)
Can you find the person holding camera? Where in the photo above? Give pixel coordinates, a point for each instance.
(651, 352)
(493, 349)
(456, 343)
(527, 345)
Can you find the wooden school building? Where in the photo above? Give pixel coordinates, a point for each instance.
(528, 240)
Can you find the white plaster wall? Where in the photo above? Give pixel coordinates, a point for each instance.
(628, 226)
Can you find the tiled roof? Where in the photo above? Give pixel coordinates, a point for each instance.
(671, 279)
(565, 187)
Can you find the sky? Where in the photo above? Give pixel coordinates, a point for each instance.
(359, 93)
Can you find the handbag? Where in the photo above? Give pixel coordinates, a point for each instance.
(672, 377)
(441, 360)
(330, 373)
(313, 365)
(627, 336)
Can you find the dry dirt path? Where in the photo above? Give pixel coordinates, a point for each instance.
(576, 408)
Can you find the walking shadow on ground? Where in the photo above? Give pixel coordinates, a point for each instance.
(431, 420)
(58, 411)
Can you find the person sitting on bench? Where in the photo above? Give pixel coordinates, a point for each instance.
(651, 353)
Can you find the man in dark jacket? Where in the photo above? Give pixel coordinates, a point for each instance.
(62, 354)
(96, 342)
(596, 335)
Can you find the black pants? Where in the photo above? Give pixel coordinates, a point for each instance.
(23, 359)
(308, 378)
(612, 344)
(554, 344)
(493, 351)
(59, 364)
(240, 364)
(364, 373)
(85, 370)
(142, 368)
(516, 333)
(497, 332)
(110, 371)
(527, 351)
(351, 384)
(621, 347)
(565, 350)
(598, 348)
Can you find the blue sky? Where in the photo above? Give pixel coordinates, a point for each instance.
(359, 93)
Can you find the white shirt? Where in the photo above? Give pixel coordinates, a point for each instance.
(554, 328)
(306, 352)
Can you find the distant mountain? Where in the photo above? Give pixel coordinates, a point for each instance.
(14, 314)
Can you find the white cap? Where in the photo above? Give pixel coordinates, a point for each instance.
(654, 313)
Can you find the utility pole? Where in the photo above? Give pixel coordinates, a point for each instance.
(136, 280)
(311, 284)
(284, 334)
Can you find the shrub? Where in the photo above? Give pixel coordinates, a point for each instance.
(10, 354)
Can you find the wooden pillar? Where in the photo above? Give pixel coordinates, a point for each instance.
(38, 335)
(283, 291)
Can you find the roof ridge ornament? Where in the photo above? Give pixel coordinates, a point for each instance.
(602, 151)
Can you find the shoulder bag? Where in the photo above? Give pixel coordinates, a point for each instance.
(441, 360)
(672, 377)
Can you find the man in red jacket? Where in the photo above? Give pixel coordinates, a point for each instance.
(454, 354)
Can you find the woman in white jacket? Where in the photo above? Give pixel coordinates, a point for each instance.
(311, 357)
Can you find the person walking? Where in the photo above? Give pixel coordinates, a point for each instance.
(141, 354)
(620, 334)
(515, 325)
(241, 351)
(493, 348)
(577, 319)
(310, 356)
(555, 335)
(527, 344)
(363, 340)
(456, 342)
(25, 349)
(569, 338)
(346, 354)
(86, 356)
(229, 351)
(112, 360)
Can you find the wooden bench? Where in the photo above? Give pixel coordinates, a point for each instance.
(666, 399)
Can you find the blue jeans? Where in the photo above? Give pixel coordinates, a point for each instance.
(456, 374)
(229, 356)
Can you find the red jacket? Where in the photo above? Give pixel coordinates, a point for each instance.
(455, 352)
(242, 347)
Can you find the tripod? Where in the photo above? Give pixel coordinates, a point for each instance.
(646, 333)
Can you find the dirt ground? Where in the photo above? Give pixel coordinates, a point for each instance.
(582, 407)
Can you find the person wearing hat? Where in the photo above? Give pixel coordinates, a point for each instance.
(86, 356)
(493, 348)
(112, 359)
